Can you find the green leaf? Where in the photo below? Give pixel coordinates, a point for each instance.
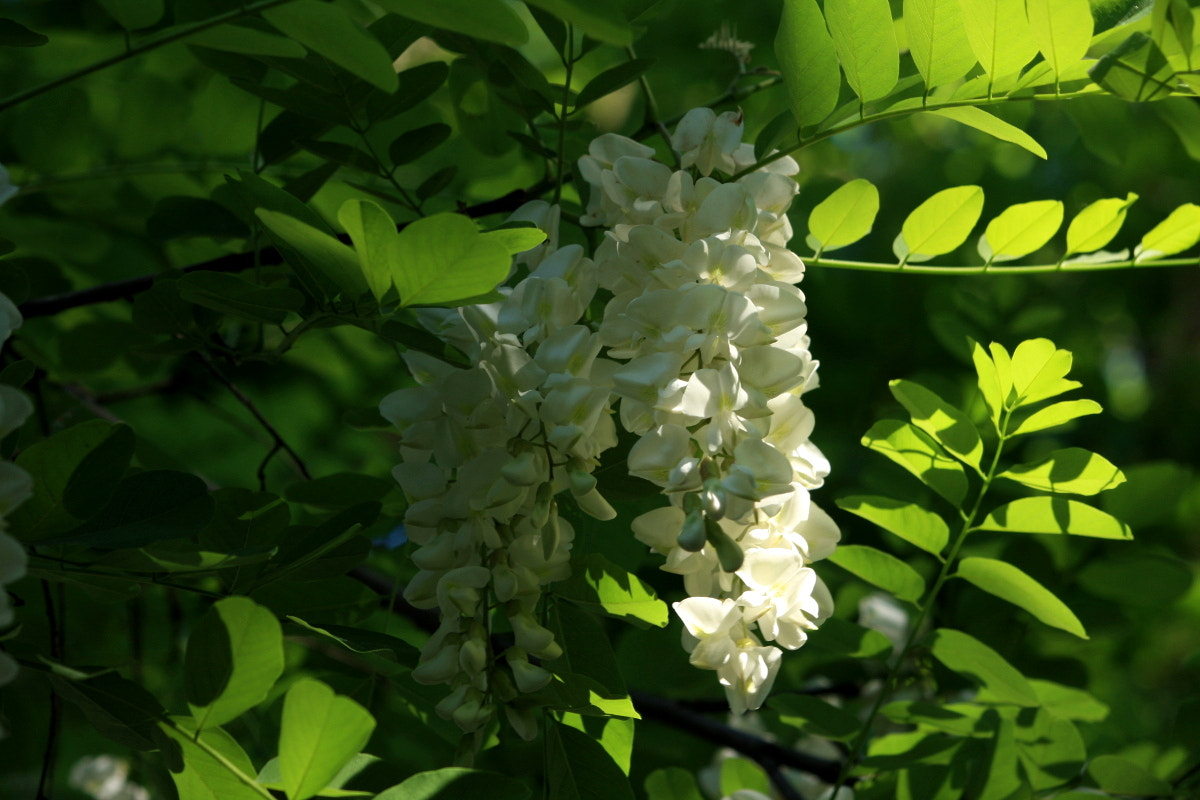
(1056, 414)
(134, 15)
(316, 251)
(443, 258)
(941, 223)
(612, 79)
(376, 242)
(1050, 749)
(989, 381)
(937, 40)
(911, 448)
(580, 769)
(614, 734)
(1037, 372)
(238, 297)
(998, 31)
(1143, 581)
(1069, 471)
(992, 125)
(946, 424)
(1020, 230)
(1062, 30)
(412, 145)
(601, 21)
(881, 569)
(516, 240)
(1135, 70)
(742, 773)
(490, 20)
(815, 716)
(1122, 776)
(436, 182)
(1068, 702)
(864, 38)
(117, 707)
(601, 586)
(672, 783)
(588, 664)
(1096, 225)
(147, 507)
(1176, 233)
(808, 61)
(328, 30)
(252, 41)
(453, 783)
(1010, 583)
(845, 216)
(968, 656)
(270, 777)
(14, 34)
(97, 475)
(234, 656)
(1055, 515)
(208, 764)
(319, 734)
(909, 521)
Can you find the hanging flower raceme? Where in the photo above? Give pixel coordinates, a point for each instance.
(711, 333)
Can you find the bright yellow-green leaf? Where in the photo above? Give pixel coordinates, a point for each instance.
(1020, 230)
(234, 656)
(943, 222)
(968, 656)
(319, 733)
(808, 62)
(604, 587)
(1096, 225)
(490, 20)
(215, 767)
(1072, 470)
(318, 252)
(601, 21)
(907, 520)
(989, 382)
(1176, 233)
(992, 125)
(1062, 30)
(1038, 371)
(881, 569)
(845, 216)
(1135, 70)
(516, 240)
(328, 29)
(1055, 515)
(1010, 583)
(376, 242)
(998, 31)
(937, 40)
(864, 37)
(1056, 414)
(443, 258)
(911, 448)
(946, 424)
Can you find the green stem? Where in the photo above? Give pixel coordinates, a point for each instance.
(569, 61)
(173, 35)
(926, 608)
(993, 269)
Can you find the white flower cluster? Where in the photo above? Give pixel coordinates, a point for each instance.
(706, 351)
(711, 331)
(15, 488)
(486, 449)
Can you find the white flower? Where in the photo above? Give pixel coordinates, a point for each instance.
(707, 140)
(749, 674)
(709, 624)
(780, 595)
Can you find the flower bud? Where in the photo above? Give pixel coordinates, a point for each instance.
(692, 537)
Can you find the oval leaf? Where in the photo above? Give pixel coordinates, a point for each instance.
(845, 216)
(937, 41)
(1062, 30)
(864, 38)
(1010, 583)
(329, 30)
(968, 656)
(909, 521)
(1121, 776)
(998, 31)
(376, 242)
(946, 424)
(943, 222)
(319, 734)
(911, 448)
(443, 258)
(1071, 471)
(1021, 229)
(612, 79)
(317, 252)
(490, 20)
(1056, 414)
(1176, 233)
(1055, 515)
(808, 62)
(234, 656)
(1037, 371)
(1096, 225)
(604, 587)
(881, 569)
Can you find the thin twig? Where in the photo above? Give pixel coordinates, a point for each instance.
(280, 443)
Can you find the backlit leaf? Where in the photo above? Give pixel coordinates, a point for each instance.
(320, 732)
(911, 448)
(808, 62)
(909, 521)
(1121, 776)
(998, 31)
(318, 252)
(672, 783)
(845, 216)
(1056, 414)
(1055, 515)
(453, 783)
(376, 242)
(580, 769)
(208, 764)
(1038, 371)
(943, 222)
(1096, 225)
(1020, 230)
(1010, 583)
(1069, 471)
(968, 656)
(881, 569)
(937, 40)
(1135, 70)
(1176, 233)
(234, 656)
(443, 258)
(864, 38)
(946, 424)
(1062, 30)
(602, 586)
(992, 125)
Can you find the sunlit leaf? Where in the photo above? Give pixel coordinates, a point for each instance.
(881, 569)
(1176, 233)
(443, 258)
(376, 242)
(317, 252)
(998, 31)
(602, 586)
(1020, 230)
(992, 125)
(1010, 583)
(845, 216)
(234, 656)
(1062, 30)
(1096, 225)
(1069, 471)
(937, 40)
(864, 37)
(1135, 70)
(1056, 414)
(320, 732)
(911, 448)
(672, 783)
(808, 61)
(1038, 371)
(1050, 749)
(909, 521)
(491, 20)
(329, 30)
(942, 222)
(1055, 515)
(208, 764)
(948, 426)
(968, 656)
(578, 767)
